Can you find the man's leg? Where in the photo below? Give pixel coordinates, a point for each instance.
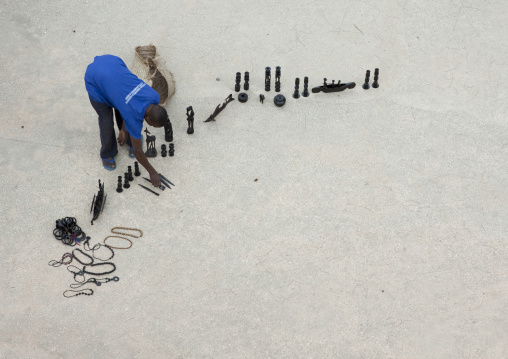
(107, 129)
(119, 123)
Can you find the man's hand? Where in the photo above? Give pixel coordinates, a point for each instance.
(143, 161)
(122, 137)
(156, 179)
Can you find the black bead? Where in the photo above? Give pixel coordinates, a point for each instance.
(279, 100)
(243, 97)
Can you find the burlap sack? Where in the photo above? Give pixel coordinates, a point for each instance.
(152, 69)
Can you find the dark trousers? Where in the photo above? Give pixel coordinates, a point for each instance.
(107, 128)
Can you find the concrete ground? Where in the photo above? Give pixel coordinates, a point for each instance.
(377, 227)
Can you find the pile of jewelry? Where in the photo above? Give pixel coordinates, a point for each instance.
(68, 231)
(94, 261)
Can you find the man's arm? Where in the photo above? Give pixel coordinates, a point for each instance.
(122, 137)
(137, 147)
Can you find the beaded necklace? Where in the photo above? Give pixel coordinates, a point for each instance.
(95, 281)
(125, 239)
(83, 253)
(79, 292)
(114, 230)
(55, 263)
(86, 246)
(98, 265)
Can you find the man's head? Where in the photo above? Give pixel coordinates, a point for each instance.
(156, 115)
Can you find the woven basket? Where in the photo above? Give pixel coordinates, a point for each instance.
(151, 68)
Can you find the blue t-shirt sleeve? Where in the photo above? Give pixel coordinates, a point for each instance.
(136, 107)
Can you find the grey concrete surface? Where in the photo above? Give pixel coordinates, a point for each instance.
(376, 229)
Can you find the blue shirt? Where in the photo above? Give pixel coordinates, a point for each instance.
(109, 81)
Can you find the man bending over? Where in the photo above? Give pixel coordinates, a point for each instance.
(111, 86)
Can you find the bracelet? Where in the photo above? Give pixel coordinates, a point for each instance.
(127, 234)
(118, 247)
